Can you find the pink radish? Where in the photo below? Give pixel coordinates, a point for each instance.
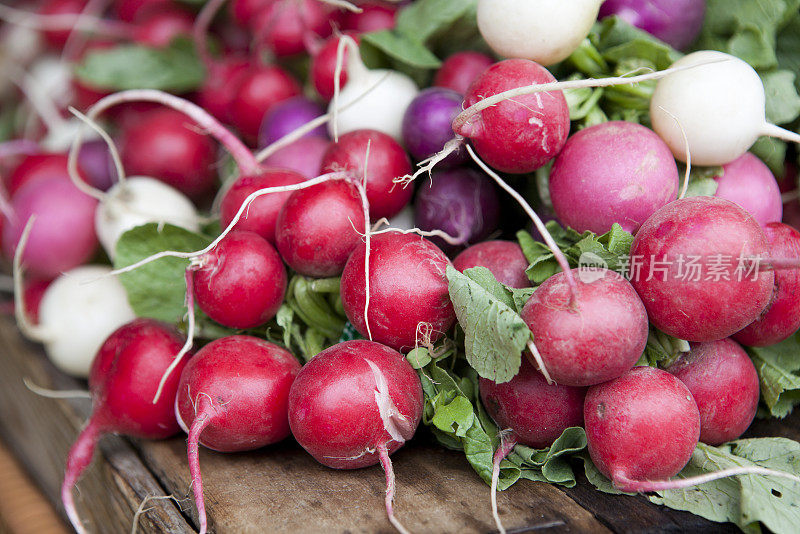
(724, 384)
(233, 396)
(503, 258)
(460, 70)
(353, 405)
(123, 379)
(749, 182)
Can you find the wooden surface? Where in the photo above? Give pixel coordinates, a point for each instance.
(282, 489)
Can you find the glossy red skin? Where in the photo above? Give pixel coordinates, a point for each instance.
(535, 411)
(244, 11)
(219, 88)
(749, 182)
(323, 67)
(705, 309)
(333, 412)
(598, 339)
(260, 88)
(503, 135)
(614, 172)
(407, 286)
(37, 166)
(387, 161)
(284, 25)
(248, 381)
(318, 227)
(374, 16)
(724, 384)
(262, 214)
(166, 145)
(303, 156)
(643, 425)
(459, 70)
(63, 234)
(58, 38)
(159, 24)
(128, 10)
(241, 283)
(32, 297)
(125, 375)
(503, 258)
(781, 318)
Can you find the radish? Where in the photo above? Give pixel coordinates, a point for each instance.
(287, 116)
(693, 258)
(407, 287)
(383, 96)
(123, 378)
(382, 159)
(781, 318)
(545, 31)
(40, 165)
(322, 73)
(521, 134)
(96, 162)
(157, 25)
(318, 227)
(162, 144)
(374, 16)
(284, 26)
(529, 411)
(353, 405)
(241, 282)
(262, 214)
(596, 337)
(676, 22)
(459, 70)
(724, 384)
(427, 124)
(749, 182)
(504, 259)
(614, 172)
(697, 103)
(233, 396)
(58, 38)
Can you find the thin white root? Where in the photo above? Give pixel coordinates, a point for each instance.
(386, 463)
(450, 240)
(41, 102)
(343, 4)
(507, 443)
(112, 149)
(773, 130)
(539, 362)
(142, 510)
(688, 153)
(55, 394)
(344, 41)
(27, 328)
(428, 164)
(362, 192)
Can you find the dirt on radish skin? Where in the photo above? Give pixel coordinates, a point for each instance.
(407, 286)
(724, 384)
(233, 396)
(123, 380)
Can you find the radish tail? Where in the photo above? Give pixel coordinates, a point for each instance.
(187, 346)
(80, 456)
(200, 29)
(507, 443)
(386, 463)
(201, 420)
(780, 133)
(623, 483)
(18, 147)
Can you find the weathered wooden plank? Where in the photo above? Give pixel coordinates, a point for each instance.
(40, 431)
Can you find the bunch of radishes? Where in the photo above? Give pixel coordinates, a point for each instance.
(326, 199)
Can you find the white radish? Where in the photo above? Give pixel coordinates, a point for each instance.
(383, 96)
(140, 200)
(544, 31)
(720, 106)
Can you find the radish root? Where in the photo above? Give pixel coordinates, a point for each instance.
(688, 153)
(80, 456)
(507, 443)
(537, 360)
(55, 394)
(201, 420)
(386, 463)
(623, 483)
(27, 328)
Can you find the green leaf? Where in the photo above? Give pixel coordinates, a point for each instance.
(157, 289)
(425, 18)
(419, 357)
(778, 369)
(553, 461)
(783, 102)
(402, 48)
(495, 335)
(772, 152)
(484, 277)
(175, 68)
(702, 187)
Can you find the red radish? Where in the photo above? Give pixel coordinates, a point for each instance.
(460, 70)
(58, 38)
(689, 262)
(123, 379)
(385, 162)
(218, 91)
(241, 283)
(614, 172)
(749, 182)
(262, 213)
(595, 337)
(260, 88)
(128, 10)
(233, 396)
(518, 135)
(781, 318)
(33, 292)
(503, 258)
(284, 26)
(35, 166)
(63, 235)
(318, 227)
(303, 156)
(165, 145)
(724, 384)
(245, 11)
(407, 287)
(158, 25)
(353, 405)
(374, 16)
(323, 67)
(642, 426)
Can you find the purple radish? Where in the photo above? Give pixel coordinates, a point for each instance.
(427, 124)
(288, 115)
(676, 22)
